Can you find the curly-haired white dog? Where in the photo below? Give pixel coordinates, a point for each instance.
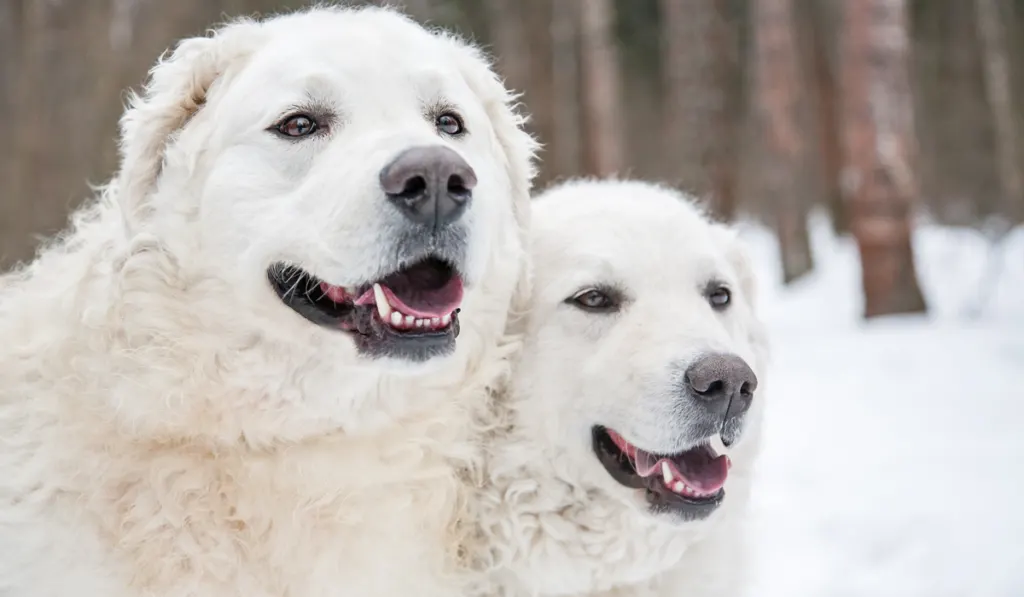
(641, 362)
(246, 370)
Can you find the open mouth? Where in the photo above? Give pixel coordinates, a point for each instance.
(411, 313)
(689, 483)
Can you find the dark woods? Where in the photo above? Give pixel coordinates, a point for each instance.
(874, 111)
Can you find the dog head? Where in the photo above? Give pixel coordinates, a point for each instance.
(643, 352)
(347, 181)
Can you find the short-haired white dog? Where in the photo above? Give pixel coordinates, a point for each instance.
(246, 369)
(622, 457)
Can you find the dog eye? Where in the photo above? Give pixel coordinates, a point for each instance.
(719, 297)
(298, 125)
(450, 124)
(594, 301)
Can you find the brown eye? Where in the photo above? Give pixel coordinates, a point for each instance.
(719, 297)
(593, 300)
(299, 125)
(450, 124)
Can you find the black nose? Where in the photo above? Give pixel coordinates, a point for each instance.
(723, 382)
(431, 186)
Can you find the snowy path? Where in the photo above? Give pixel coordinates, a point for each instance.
(894, 456)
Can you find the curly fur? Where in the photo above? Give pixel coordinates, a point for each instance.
(549, 519)
(167, 427)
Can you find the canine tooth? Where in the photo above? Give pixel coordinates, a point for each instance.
(396, 319)
(409, 321)
(667, 472)
(678, 487)
(717, 445)
(446, 319)
(383, 308)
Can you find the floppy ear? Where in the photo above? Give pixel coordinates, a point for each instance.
(176, 89)
(517, 147)
(736, 253)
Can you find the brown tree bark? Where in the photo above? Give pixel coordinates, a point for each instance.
(996, 64)
(523, 41)
(777, 92)
(603, 143)
(11, 24)
(814, 18)
(540, 94)
(701, 76)
(564, 156)
(62, 80)
(879, 143)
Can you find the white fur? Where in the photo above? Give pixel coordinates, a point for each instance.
(551, 520)
(167, 426)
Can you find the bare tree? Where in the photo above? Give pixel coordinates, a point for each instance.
(815, 26)
(523, 40)
(564, 157)
(601, 107)
(701, 75)
(64, 48)
(879, 177)
(997, 88)
(11, 24)
(777, 92)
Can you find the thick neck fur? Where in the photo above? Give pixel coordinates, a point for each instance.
(545, 534)
(198, 452)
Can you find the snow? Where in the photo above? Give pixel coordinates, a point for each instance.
(893, 462)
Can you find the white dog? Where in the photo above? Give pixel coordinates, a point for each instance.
(238, 374)
(641, 358)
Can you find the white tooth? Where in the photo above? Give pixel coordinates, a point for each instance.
(717, 446)
(396, 319)
(435, 322)
(420, 322)
(667, 472)
(409, 321)
(678, 487)
(446, 319)
(383, 308)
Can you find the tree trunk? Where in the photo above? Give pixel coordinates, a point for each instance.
(701, 75)
(603, 151)
(997, 88)
(540, 94)
(522, 39)
(64, 74)
(817, 27)
(565, 155)
(11, 24)
(777, 93)
(878, 175)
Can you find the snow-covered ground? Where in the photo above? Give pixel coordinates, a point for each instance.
(894, 456)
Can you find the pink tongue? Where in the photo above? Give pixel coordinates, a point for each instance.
(427, 304)
(697, 468)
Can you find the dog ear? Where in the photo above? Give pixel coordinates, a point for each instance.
(175, 91)
(516, 146)
(736, 253)
(738, 257)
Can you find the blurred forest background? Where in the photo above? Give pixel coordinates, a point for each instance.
(878, 112)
